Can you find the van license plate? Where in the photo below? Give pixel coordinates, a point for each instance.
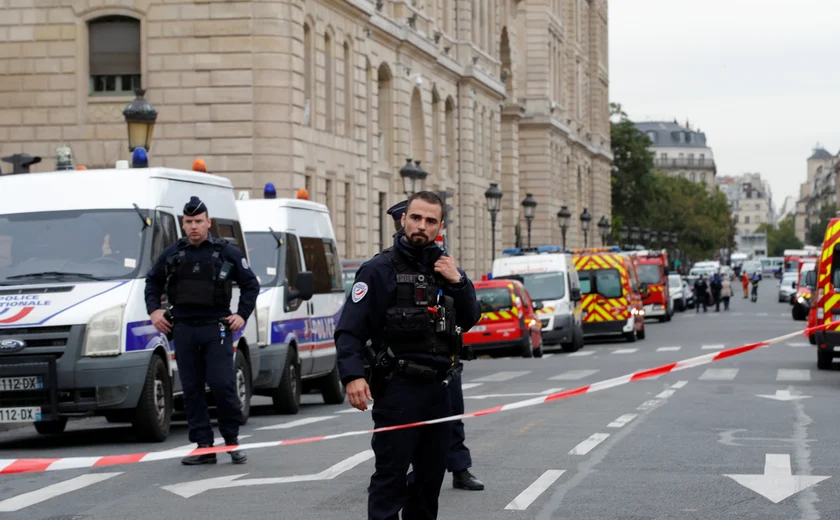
(478, 328)
(20, 414)
(11, 384)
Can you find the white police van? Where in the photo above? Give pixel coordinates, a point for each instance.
(552, 281)
(293, 252)
(75, 338)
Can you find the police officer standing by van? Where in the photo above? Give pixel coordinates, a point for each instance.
(412, 302)
(197, 273)
(458, 459)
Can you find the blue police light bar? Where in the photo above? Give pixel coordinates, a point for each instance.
(269, 192)
(515, 251)
(139, 159)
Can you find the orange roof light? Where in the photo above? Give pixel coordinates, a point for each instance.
(302, 194)
(199, 166)
(81, 167)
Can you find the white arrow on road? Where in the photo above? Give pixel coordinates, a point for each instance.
(783, 395)
(190, 489)
(777, 483)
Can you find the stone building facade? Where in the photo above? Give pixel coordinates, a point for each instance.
(331, 95)
(681, 151)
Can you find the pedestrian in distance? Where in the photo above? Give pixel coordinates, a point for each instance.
(715, 287)
(412, 302)
(745, 281)
(196, 275)
(459, 459)
(726, 292)
(701, 294)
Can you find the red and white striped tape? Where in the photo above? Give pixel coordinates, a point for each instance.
(9, 466)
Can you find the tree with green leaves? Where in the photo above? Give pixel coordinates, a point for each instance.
(631, 169)
(816, 230)
(781, 237)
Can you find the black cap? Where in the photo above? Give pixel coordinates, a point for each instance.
(194, 207)
(398, 210)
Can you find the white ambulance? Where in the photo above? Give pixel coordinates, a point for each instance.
(552, 282)
(293, 251)
(75, 338)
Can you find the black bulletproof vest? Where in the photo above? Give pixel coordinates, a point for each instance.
(410, 326)
(197, 283)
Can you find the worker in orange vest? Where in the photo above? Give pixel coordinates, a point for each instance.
(745, 281)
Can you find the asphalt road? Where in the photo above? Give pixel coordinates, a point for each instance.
(653, 449)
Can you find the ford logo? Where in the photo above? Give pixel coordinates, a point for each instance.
(11, 345)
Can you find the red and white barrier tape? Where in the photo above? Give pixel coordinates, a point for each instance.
(9, 466)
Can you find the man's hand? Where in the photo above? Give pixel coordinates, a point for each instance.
(160, 322)
(235, 322)
(447, 268)
(358, 393)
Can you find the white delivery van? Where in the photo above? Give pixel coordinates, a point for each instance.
(552, 281)
(294, 253)
(75, 338)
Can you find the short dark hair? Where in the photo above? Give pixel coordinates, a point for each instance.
(430, 197)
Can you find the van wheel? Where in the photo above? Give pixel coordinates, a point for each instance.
(630, 336)
(331, 388)
(154, 409)
(812, 338)
(243, 385)
(286, 397)
(51, 427)
(577, 341)
(825, 360)
(528, 348)
(538, 352)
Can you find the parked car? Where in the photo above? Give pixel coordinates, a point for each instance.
(509, 321)
(679, 292)
(787, 287)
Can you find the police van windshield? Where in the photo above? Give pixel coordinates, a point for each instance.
(78, 245)
(649, 273)
(606, 282)
(264, 255)
(494, 299)
(545, 286)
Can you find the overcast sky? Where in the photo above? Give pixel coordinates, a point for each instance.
(761, 78)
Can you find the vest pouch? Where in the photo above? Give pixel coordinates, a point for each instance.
(408, 325)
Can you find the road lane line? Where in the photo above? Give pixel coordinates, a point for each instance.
(532, 492)
(573, 375)
(719, 374)
(668, 349)
(622, 421)
(45, 493)
(589, 444)
(498, 377)
(625, 351)
(665, 394)
(679, 384)
(788, 374)
(299, 422)
(581, 354)
(467, 386)
(648, 405)
(712, 347)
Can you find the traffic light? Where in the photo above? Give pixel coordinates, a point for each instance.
(448, 210)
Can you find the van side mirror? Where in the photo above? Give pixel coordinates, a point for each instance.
(537, 305)
(575, 294)
(305, 287)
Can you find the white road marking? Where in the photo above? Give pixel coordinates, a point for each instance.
(719, 374)
(45, 493)
(625, 351)
(532, 492)
(788, 374)
(712, 347)
(665, 394)
(621, 421)
(679, 384)
(589, 444)
(581, 354)
(524, 394)
(218, 441)
(299, 422)
(573, 375)
(668, 349)
(799, 345)
(762, 314)
(498, 377)
(778, 482)
(647, 405)
(547, 356)
(467, 386)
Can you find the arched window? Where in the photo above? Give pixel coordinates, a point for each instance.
(114, 55)
(418, 127)
(385, 119)
(329, 84)
(436, 132)
(308, 84)
(349, 70)
(449, 116)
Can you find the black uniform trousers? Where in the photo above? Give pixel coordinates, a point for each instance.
(458, 457)
(403, 401)
(205, 358)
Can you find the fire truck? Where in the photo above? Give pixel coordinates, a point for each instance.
(653, 272)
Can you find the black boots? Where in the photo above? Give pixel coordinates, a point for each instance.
(465, 480)
(236, 456)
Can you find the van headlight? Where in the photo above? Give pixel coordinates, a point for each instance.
(103, 334)
(263, 326)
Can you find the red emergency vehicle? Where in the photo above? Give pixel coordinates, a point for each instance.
(508, 320)
(653, 271)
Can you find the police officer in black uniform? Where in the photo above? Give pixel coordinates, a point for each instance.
(196, 273)
(412, 301)
(458, 459)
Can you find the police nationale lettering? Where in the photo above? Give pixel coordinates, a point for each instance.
(22, 300)
(323, 328)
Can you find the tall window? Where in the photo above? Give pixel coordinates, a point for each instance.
(308, 84)
(348, 220)
(348, 90)
(114, 55)
(329, 86)
(450, 137)
(436, 162)
(384, 115)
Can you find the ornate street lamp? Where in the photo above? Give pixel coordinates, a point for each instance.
(529, 207)
(585, 220)
(604, 228)
(412, 177)
(140, 116)
(494, 204)
(563, 218)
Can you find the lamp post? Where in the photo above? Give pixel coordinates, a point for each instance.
(646, 236)
(624, 233)
(529, 206)
(494, 203)
(635, 233)
(585, 220)
(563, 217)
(604, 228)
(140, 116)
(654, 236)
(411, 175)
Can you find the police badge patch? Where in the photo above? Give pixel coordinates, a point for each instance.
(245, 263)
(360, 289)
